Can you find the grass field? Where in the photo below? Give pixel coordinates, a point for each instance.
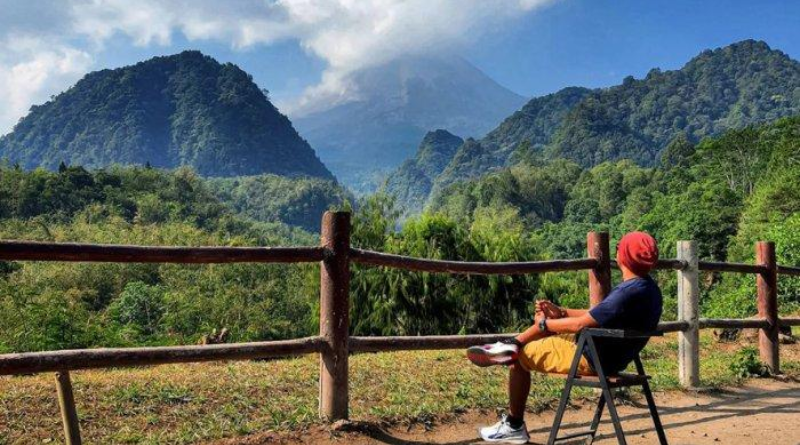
(191, 403)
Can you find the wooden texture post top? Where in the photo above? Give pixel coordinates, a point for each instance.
(598, 248)
(334, 319)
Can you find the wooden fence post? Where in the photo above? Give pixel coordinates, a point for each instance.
(597, 247)
(688, 311)
(768, 305)
(334, 317)
(69, 416)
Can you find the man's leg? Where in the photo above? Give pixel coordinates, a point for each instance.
(553, 354)
(519, 385)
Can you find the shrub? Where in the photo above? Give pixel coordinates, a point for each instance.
(746, 364)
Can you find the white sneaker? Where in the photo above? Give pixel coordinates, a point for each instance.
(502, 432)
(494, 354)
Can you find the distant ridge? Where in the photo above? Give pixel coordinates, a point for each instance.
(741, 84)
(412, 181)
(185, 109)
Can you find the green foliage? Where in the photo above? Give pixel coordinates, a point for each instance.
(746, 364)
(294, 201)
(139, 307)
(57, 305)
(411, 183)
(185, 109)
(601, 192)
(389, 301)
(725, 192)
(539, 192)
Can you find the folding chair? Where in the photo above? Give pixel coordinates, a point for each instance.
(605, 383)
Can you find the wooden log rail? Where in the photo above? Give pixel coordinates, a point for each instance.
(73, 252)
(70, 360)
(334, 344)
(371, 258)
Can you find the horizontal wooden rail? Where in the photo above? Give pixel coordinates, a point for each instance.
(429, 342)
(789, 270)
(789, 321)
(371, 258)
(714, 266)
(68, 360)
(673, 326)
(441, 342)
(665, 264)
(38, 251)
(671, 264)
(747, 323)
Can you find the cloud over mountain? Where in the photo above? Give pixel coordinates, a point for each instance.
(348, 35)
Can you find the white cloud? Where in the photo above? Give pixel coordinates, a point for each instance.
(29, 69)
(347, 34)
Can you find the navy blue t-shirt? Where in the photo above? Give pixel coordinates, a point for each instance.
(635, 304)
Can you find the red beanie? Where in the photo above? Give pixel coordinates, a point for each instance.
(638, 252)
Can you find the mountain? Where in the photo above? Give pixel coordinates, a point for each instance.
(394, 106)
(411, 183)
(742, 84)
(534, 125)
(185, 109)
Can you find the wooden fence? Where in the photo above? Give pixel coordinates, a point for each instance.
(334, 344)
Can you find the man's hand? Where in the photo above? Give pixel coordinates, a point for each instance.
(548, 309)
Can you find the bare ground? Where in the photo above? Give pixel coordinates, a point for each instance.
(762, 411)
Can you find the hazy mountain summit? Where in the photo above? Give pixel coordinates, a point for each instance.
(185, 109)
(394, 105)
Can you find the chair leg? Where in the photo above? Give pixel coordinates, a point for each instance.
(651, 405)
(562, 406)
(598, 413)
(612, 412)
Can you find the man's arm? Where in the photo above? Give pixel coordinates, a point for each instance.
(571, 324)
(549, 309)
(568, 325)
(575, 312)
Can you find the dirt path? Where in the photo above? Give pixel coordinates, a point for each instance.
(763, 411)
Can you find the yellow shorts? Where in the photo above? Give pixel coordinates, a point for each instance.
(553, 355)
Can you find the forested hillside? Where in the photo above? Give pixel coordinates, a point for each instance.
(412, 182)
(181, 110)
(724, 192)
(727, 88)
(58, 305)
(298, 202)
(533, 125)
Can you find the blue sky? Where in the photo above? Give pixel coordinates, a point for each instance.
(596, 43)
(304, 50)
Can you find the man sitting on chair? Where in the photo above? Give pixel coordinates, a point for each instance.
(549, 345)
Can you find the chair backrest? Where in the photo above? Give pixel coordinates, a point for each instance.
(588, 335)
